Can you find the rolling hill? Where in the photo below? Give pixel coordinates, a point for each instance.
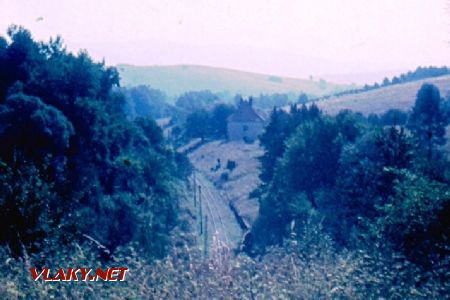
(175, 80)
(399, 96)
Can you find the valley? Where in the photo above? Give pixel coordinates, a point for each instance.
(226, 197)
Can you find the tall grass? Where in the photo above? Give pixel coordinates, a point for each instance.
(310, 269)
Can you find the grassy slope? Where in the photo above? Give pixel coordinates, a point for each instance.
(241, 181)
(400, 96)
(175, 80)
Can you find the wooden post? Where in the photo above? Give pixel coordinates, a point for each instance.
(195, 191)
(200, 207)
(206, 236)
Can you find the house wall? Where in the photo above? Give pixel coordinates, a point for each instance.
(244, 131)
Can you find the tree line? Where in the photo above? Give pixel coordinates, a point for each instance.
(418, 74)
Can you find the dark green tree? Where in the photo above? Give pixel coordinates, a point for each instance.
(272, 140)
(198, 124)
(302, 99)
(191, 101)
(143, 101)
(29, 126)
(414, 220)
(219, 116)
(427, 121)
(394, 117)
(306, 168)
(311, 157)
(367, 174)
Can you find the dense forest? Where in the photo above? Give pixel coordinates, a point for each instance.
(351, 207)
(386, 180)
(71, 160)
(370, 183)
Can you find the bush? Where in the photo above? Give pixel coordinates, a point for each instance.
(225, 176)
(231, 165)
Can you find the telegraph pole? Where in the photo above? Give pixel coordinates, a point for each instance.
(195, 190)
(200, 207)
(206, 236)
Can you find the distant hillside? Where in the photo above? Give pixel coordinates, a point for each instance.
(175, 80)
(399, 96)
(420, 73)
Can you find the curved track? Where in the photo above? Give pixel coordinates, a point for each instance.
(221, 220)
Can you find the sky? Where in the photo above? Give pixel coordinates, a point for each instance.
(341, 40)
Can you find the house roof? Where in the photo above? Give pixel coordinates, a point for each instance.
(245, 113)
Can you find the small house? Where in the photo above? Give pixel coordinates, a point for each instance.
(245, 124)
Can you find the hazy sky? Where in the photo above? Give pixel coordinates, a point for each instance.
(283, 37)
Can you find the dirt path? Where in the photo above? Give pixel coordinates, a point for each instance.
(222, 223)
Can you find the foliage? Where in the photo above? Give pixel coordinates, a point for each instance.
(366, 177)
(419, 74)
(348, 208)
(204, 123)
(231, 165)
(427, 121)
(414, 219)
(198, 124)
(308, 269)
(29, 206)
(302, 99)
(143, 101)
(71, 163)
(369, 183)
(219, 116)
(271, 100)
(281, 126)
(272, 140)
(191, 101)
(35, 129)
(311, 157)
(308, 164)
(394, 117)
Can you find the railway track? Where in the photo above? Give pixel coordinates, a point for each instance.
(220, 217)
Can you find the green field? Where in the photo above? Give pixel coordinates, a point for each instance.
(175, 80)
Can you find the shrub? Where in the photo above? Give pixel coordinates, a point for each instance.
(231, 165)
(224, 176)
